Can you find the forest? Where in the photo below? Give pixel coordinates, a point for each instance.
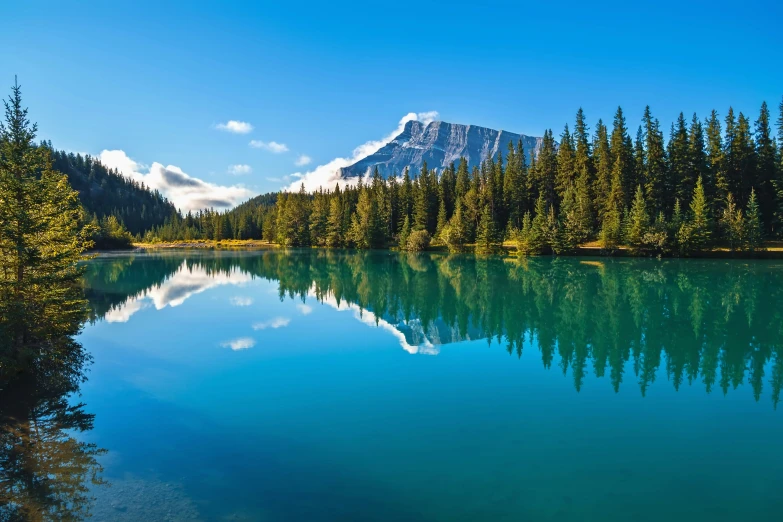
(714, 183)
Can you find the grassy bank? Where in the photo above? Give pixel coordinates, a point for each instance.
(772, 249)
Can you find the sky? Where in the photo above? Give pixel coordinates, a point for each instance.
(223, 101)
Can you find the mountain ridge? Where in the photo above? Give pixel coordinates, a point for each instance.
(439, 143)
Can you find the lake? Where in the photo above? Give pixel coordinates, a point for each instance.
(327, 385)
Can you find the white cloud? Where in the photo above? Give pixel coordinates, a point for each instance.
(187, 193)
(303, 160)
(234, 126)
(238, 170)
(304, 309)
(241, 301)
(277, 322)
(271, 146)
(243, 343)
(181, 286)
(327, 175)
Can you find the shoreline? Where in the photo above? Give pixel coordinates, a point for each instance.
(773, 249)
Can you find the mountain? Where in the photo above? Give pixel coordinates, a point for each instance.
(105, 192)
(439, 143)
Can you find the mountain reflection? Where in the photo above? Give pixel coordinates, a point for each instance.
(717, 322)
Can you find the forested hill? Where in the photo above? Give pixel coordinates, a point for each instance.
(105, 192)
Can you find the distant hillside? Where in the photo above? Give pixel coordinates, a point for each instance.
(105, 192)
(439, 144)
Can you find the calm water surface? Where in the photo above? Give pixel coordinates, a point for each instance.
(322, 385)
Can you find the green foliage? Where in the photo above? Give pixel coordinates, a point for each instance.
(405, 234)
(606, 186)
(41, 242)
(418, 241)
(732, 224)
(638, 222)
(487, 241)
(753, 231)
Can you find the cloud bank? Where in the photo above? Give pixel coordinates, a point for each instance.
(187, 193)
(328, 175)
(235, 127)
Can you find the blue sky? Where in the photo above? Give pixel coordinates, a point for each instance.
(155, 79)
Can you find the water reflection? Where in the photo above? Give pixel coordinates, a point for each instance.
(46, 469)
(714, 322)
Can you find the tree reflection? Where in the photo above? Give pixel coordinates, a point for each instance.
(718, 322)
(45, 470)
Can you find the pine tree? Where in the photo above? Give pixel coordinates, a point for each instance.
(696, 233)
(442, 217)
(454, 234)
(486, 237)
(334, 225)
(638, 222)
(405, 233)
(655, 175)
(546, 169)
(754, 230)
(603, 178)
(525, 240)
(566, 172)
(680, 170)
(537, 240)
(622, 154)
(41, 242)
(732, 224)
(766, 166)
(716, 161)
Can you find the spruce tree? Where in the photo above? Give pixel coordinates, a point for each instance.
(41, 242)
(680, 169)
(766, 166)
(732, 224)
(334, 225)
(638, 222)
(698, 230)
(655, 174)
(566, 172)
(603, 178)
(754, 230)
(622, 153)
(486, 237)
(405, 233)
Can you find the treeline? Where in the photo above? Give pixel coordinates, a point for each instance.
(713, 183)
(643, 319)
(246, 221)
(117, 207)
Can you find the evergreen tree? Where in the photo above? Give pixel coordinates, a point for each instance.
(566, 172)
(486, 236)
(334, 225)
(695, 234)
(546, 169)
(766, 166)
(732, 224)
(405, 233)
(603, 160)
(754, 230)
(680, 169)
(638, 222)
(622, 154)
(454, 234)
(41, 243)
(655, 174)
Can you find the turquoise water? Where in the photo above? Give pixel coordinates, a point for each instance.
(321, 385)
